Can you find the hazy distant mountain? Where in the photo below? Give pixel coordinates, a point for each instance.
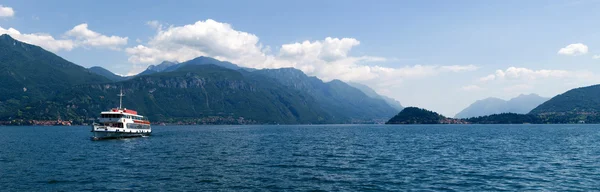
(106, 73)
(371, 93)
(521, 104)
(339, 99)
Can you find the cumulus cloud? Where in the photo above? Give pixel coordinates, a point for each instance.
(327, 59)
(79, 36)
(203, 38)
(596, 57)
(574, 49)
(490, 77)
(330, 49)
(525, 73)
(515, 79)
(512, 81)
(155, 24)
(45, 41)
(87, 37)
(6, 11)
(513, 73)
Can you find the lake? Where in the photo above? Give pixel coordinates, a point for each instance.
(305, 157)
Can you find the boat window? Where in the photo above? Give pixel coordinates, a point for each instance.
(111, 115)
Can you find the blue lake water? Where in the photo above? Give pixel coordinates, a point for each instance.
(299, 157)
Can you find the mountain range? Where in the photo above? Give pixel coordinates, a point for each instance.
(579, 105)
(39, 85)
(521, 104)
(43, 86)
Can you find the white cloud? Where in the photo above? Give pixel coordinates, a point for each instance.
(203, 38)
(81, 36)
(331, 49)
(524, 73)
(518, 80)
(488, 78)
(6, 11)
(154, 24)
(574, 49)
(327, 59)
(45, 41)
(596, 57)
(87, 37)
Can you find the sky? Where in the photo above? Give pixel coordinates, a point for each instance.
(439, 55)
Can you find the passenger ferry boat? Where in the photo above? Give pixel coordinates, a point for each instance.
(120, 123)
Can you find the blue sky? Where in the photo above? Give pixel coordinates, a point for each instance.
(440, 55)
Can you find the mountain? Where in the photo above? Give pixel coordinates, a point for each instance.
(157, 68)
(574, 106)
(29, 75)
(162, 66)
(483, 107)
(193, 94)
(203, 61)
(371, 93)
(337, 98)
(168, 66)
(414, 115)
(106, 73)
(521, 104)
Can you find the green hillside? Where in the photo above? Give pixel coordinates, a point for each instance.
(191, 94)
(579, 105)
(413, 115)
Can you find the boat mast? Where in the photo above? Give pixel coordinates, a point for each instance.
(121, 99)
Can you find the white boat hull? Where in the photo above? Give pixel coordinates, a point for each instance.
(106, 132)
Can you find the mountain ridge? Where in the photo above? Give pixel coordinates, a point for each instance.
(521, 104)
(373, 94)
(106, 73)
(338, 98)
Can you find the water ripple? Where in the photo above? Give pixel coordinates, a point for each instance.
(305, 158)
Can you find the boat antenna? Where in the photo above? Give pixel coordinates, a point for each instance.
(121, 99)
